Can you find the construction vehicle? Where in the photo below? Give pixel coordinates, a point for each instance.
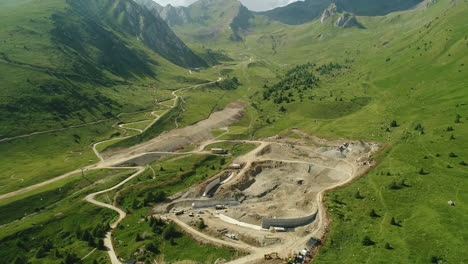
(271, 256)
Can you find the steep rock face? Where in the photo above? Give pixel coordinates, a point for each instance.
(127, 17)
(240, 23)
(212, 18)
(348, 20)
(301, 12)
(174, 15)
(327, 13)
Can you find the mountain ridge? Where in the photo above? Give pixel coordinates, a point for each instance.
(301, 12)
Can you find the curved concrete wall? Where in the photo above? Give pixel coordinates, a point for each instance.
(211, 185)
(288, 223)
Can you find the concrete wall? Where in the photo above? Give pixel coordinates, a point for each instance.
(288, 223)
(200, 204)
(211, 185)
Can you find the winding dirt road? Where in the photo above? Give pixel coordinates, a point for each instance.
(91, 198)
(102, 165)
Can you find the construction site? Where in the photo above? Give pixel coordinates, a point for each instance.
(269, 202)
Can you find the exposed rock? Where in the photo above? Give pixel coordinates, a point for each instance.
(429, 3)
(329, 12)
(348, 20)
(151, 30)
(220, 261)
(174, 15)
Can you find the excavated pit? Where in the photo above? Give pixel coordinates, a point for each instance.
(280, 185)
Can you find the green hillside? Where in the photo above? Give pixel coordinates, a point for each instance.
(397, 78)
(409, 67)
(72, 62)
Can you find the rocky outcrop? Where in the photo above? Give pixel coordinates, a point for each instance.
(348, 20)
(329, 12)
(174, 16)
(151, 29)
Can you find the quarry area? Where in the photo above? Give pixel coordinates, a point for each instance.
(268, 203)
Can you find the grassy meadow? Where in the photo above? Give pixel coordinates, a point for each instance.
(402, 80)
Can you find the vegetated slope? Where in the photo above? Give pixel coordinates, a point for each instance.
(412, 68)
(68, 62)
(301, 12)
(206, 20)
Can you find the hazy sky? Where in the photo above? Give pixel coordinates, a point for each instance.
(256, 5)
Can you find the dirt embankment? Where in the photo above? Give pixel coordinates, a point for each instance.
(177, 138)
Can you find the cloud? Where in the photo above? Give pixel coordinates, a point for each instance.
(262, 5)
(256, 5)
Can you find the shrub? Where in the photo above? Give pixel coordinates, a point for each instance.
(436, 260)
(100, 245)
(138, 238)
(373, 214)
(201, 224)
(394, 186)
(170, 232)
(394, 222)
(366, 241)
(358, 195)
(152, 247)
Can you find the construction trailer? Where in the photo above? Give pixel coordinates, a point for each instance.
(235, 166)
(219, 151)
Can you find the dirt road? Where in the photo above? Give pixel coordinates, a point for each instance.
(101, 164)
(91, 198)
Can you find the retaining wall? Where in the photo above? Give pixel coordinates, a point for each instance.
(200, 204)
(211, 185)
(288, 223)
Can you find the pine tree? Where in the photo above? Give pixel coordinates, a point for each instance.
(366, 241)
(373, 214)
(358, 195)
(100, 245)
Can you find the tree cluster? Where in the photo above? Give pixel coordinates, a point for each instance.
(229, 84)
(298, 79)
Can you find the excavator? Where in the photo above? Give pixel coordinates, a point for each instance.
(271, 256)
